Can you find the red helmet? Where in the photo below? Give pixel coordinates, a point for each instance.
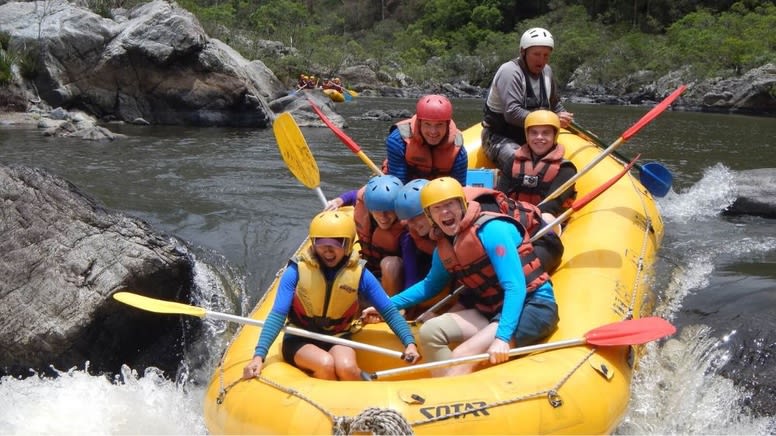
(434, 108)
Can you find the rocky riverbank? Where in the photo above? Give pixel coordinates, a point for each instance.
(155, 64)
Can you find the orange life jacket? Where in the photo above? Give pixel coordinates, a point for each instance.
(527, 214)
(466, 260)
(424, 161)
(529, 181)
(422, 243)
(375, 242)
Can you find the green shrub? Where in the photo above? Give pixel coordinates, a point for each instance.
(5, 38)
(6, 65)
(29, 61)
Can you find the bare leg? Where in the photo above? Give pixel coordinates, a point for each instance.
(476, 344)
(438, 333)
(392, 275)
(345, 364)
(314, 359)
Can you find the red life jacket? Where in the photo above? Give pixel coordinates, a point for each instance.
(527, 214)
(375, 242)
(423, 243)
(424, 161)
(466, 260)
(530, 182)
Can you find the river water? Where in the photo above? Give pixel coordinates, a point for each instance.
(228, 195)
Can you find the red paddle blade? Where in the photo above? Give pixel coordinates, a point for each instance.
(347, 140)
(630, 332)
(663, 105)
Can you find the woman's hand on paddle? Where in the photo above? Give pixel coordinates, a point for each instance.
(370, 315)
(411, 354)
(333, 204)
(253, 368)
(499, 351)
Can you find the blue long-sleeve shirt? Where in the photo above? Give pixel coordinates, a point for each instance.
(499, 238)
(368, 286)
(396, 148)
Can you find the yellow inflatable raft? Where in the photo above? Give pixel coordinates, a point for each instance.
(610, 246)
(334, 95)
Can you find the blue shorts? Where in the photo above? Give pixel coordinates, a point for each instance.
(538, 320)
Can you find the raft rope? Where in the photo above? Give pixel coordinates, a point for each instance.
(644, 243)
(552, 396)
(380, 421)
(376, 420)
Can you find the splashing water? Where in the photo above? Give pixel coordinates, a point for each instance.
(712, 194)
(76, 402)
(679, 392)
(678, 388)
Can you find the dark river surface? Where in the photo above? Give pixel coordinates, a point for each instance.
(229, 196)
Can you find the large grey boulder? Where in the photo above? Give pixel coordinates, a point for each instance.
(756, 193)
(155, 63)
(298, 103)
(62, 256)
(750, 93)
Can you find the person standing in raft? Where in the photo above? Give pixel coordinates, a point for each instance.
(428, 145)
(509, 300)
(319, 292)
(381, 234)
(519, 87)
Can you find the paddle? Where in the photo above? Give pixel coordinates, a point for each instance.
(171, 307)
(653, 175)
(296, 154)
(582, 202)
(347, 140)
(628, 332)
(646, 119)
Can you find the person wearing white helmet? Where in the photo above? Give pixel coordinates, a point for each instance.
(520, 86)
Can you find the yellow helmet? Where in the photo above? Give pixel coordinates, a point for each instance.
(543, 118)
(333, 224)
(439, 190)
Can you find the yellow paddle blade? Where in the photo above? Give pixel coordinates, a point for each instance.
(295, 152)
(159, 306)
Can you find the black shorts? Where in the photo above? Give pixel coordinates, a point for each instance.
(292, 344)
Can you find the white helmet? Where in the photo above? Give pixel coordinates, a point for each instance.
(536, 37)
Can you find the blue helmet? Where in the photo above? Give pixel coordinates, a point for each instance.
(381, 192)
(407, 203)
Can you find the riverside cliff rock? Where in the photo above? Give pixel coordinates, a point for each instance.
(154, 62)
(62, 256)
